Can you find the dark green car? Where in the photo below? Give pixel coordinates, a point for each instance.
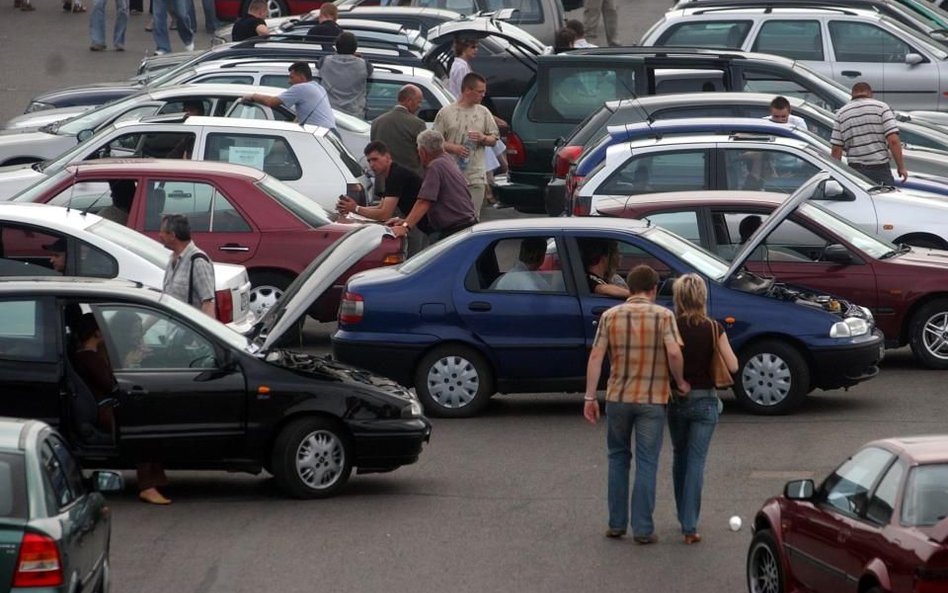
(54, 525)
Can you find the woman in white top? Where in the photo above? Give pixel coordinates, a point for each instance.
(464, 51)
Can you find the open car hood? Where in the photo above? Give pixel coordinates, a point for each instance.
(803, 193)
(481, 27)
(316, 279)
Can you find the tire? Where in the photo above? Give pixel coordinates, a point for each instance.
(266, 288)
(764, 568)
(312, 458)
(928, 334)
(454, 382)
(772, 378)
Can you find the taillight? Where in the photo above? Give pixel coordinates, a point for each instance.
(579, 206)
(356, 192)
(38, 564)
(516, 155)
(565, 157)
(224, 305)
(351, 308)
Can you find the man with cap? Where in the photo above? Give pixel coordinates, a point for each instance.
(57, 258)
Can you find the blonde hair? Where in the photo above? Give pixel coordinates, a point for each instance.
(690, 294)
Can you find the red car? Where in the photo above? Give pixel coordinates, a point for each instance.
(876, 525)
(238, 215)
(905, 288)
(231, 10)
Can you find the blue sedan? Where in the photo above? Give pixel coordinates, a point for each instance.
(448, 322)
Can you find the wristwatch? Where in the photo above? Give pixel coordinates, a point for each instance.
(406, 225)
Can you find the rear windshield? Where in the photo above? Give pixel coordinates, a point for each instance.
(304, 208)
(706, 34)
(12, 487)
(926, 495)
(345, 156)
(569, 94)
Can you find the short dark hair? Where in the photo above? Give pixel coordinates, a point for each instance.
(642, 278)
(470, 79)
(194, 105)
(86, 327)
(576, 26)
(346, 43)
(592, 250)
(376, 146)
(177, 225)
(861, 88)
(123, 191)
(256, 5)
(563, 39)
(780, 102)
(303, 69)
(462, 43)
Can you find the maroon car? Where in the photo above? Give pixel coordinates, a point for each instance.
(238, 215)
(876, 524)
(905, 288)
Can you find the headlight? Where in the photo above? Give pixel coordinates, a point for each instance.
(413, 410)
(849, 328)
(38, 106)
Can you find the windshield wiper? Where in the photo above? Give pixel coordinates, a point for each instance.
(902, 248)
(881, 188)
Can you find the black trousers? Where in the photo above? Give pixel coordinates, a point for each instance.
(881, 173)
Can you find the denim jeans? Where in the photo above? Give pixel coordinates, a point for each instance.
(691, 423)
(648, 423)
(97, 23)
(185, 26)
(210, 15)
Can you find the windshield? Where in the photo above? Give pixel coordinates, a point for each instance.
(304, 208)
(142, 246)
(208, 324)
(703, 261)
(915, 38)
(91, 120)
(173, 77)
(872, 246)
(74, 154)
(925, 503)
(39, 188)
(851, 174)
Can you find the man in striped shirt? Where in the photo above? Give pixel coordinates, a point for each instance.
(644, 349)
(865, 129)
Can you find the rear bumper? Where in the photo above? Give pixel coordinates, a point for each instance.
(384, 445)
(845, 367)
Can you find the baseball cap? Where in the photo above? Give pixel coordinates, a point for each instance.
(58, 246)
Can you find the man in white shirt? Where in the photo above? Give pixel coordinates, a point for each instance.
(780, 114)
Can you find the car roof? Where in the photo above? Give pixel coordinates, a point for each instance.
(348, 10)
(712, 137)
(689, 99)
(105, 167)
(553, 224)
(379, 67)
(14, 432)
(75, 285)
(224, 122)
(777, 9)
(921, 449)
(213, 89)
(56, 218)
(666, 52)
(688, 199)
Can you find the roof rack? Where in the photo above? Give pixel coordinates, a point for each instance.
(657, 51)
(325, 44)
(769, 6)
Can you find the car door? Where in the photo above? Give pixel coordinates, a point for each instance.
(797, 39)
(30, 353)
(218, 225)
(526, 314)
(656, 170)
(867, 52)
(181, 399)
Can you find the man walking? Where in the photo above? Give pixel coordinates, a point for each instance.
(605, 11)
(643, 344)
(443, 196)
(865, 129)
(399, 127)
(467, 127)
(189, 276)
(160, 20)
(305, 96)
(97, 25)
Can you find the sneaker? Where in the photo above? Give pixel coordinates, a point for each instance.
(119, 48)
(189, 47)
(615, 533)
(159, 52)
(646, 539)
(97, 47)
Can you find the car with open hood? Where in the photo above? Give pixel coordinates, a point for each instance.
(199, 395)
(447, 322)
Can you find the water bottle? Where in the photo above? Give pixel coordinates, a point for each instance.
(464, 160)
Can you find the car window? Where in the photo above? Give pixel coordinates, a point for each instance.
(69, 464)
(205, 207)
(571, 93)
(248, 111)
(57, 478)
(27, 330)
(623, 256)
(142, 338)
(528, 11)
(224, 79)
(865, 42)
(915, 139)
(847, 489)
(729, 34)
(788, 242)
(759, 80)
(926, 495)
(272, 154)
(150, 144)
(13, 501)
(688, 80)
(684, 170)
(814, 125)
(380, 95)
(275, 80)
(177, 106)
(797, 40)
(137, 113)
(301, 206)
(754, 169)
(882, 502)
(527, 264)
(336, 147)
(683, 224)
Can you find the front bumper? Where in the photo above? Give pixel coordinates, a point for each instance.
(845, 366)
(383, 445)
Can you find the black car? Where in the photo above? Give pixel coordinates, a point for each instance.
(201, 396)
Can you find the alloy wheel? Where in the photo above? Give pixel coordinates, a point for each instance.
(935, 335)
(320, 459)
(764, 575)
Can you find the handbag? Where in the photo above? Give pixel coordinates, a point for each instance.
(720, 375)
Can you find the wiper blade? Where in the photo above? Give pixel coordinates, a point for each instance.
(881, 188)
(902, 248)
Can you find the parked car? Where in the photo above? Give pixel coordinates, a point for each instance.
(469, 339)
(734, 162)
(815, 248)
(54, 524)
(278, 148)
(877, 523)
(903, 66)
(238, 215)
(99, 248)
(204, 397)
(552, 106)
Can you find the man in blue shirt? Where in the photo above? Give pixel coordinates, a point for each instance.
(305, 96)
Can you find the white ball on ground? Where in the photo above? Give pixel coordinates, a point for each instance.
(735, 523)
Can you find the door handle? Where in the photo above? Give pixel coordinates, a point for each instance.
(479, 306)
(233, 247)
(137, 391)
(851, 73)
(599, 310)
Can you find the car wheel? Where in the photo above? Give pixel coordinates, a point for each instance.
(928, 334)
(275, 8)
(764, 570)
(266, 288)
(772, 378)
(453, 382)
(312, 458)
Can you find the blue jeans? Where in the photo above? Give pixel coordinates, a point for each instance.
(691, 423)
(648, 423)
(210, 15)
(185, 26)
(97, 23)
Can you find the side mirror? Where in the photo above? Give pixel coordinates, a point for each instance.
(105, 481)
(831, 190)
(84, 135)
(838, 254)
(913, 59)
(799, 490)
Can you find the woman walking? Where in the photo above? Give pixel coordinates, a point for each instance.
(692, 418)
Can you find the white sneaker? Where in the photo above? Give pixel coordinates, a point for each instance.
(189, 47)
(160, 52)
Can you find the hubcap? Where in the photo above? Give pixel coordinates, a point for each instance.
(273, 9)
(320, 459)
(262, 298)
(766, 379)
(764, 577)
(453, 381)
(935, 335)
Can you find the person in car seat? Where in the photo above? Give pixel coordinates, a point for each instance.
(57, 258)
